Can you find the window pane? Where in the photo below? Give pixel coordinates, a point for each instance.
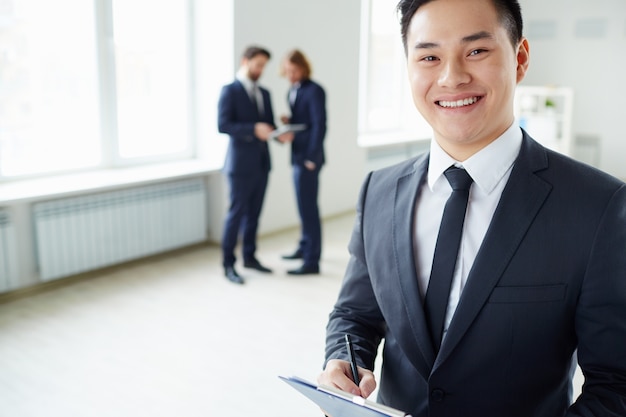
(386, 110)
(386, 69)
(49, 116)
(152, 77)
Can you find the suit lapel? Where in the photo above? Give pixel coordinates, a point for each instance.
(521, 199)
(413, 336)
(248, 99)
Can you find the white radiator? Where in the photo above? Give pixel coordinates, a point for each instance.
(79, 234)
(8, 252)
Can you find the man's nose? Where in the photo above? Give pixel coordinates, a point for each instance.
(453, 74)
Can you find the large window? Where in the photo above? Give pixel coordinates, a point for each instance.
(152, 77)
(91, 84)
(386, 112)
(48, 87)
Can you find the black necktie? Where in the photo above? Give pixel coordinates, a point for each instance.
(446, 252)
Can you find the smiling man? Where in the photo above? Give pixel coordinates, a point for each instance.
(490, 263)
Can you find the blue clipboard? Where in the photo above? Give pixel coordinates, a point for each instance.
(338, 403)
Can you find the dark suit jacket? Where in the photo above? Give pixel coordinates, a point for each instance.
(310, 109)
(247, 154)
(549, 278)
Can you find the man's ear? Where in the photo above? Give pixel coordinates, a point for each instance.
(523, 59)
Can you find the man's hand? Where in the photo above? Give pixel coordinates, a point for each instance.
(263, 130)
(310, 165)
(338, 374)
(286, 137)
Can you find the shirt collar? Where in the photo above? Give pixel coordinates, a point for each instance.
(244, 79)
(487, 167)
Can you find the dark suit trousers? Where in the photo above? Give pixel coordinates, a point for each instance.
(246, 200)
(307, 185)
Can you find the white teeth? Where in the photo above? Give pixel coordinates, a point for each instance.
(459, 103)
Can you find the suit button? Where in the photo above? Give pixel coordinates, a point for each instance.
(437, 395)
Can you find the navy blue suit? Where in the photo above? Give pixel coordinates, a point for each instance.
(309, 108)
(548, 280)
(247, 167)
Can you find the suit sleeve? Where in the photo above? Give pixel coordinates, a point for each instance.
(356, 311)
(317, 128)
(601, 318)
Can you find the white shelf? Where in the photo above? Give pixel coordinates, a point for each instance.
(546, 114)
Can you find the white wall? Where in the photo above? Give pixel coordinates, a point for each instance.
(594, 67)
(327, 31)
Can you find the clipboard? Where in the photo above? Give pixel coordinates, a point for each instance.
(337, 403)
(274, 134)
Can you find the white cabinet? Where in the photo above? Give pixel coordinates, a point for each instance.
(546, 114)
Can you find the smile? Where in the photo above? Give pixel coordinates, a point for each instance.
(458, 103)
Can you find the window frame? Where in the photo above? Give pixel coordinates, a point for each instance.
(106, 105)
(410, 125)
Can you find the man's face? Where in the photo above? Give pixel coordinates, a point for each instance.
(293, 72)
(463, 72)
(255, 66)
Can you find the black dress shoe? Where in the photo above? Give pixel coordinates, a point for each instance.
(296, 255)
(254, 264)
(232, 275)
(305, 270)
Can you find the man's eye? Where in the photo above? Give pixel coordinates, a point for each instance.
(476, 52)
(429, 58)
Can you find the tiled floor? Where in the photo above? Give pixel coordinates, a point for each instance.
(172, 337)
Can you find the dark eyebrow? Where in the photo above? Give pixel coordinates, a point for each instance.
(478, 36)
(467, 39)
(426, 45)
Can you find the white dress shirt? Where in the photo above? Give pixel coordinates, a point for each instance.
(293, 93)
(490, 169)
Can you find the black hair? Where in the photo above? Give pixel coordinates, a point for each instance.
(509, 11)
